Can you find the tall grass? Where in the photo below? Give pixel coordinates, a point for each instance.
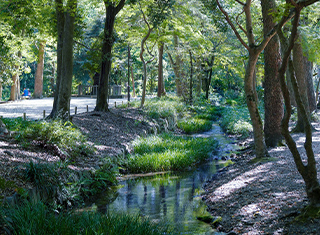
(168, 152)
(39, 219)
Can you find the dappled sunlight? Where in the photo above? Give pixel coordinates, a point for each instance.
(239, 182)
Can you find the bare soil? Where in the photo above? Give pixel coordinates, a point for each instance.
(252, 198)
(264, 197)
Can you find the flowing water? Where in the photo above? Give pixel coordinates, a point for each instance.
(171, 197)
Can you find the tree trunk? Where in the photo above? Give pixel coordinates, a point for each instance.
(272, 91)
(106, 60)
(0, 91)
(191, 75)
(103, 91)
(308, 171)
(14, 87)
(38, 79)
(63, 107)
(310, 87)
(252, 103)
(177, 66)
(60, 28)
(133, 88)
(161, 89)
(301, 75)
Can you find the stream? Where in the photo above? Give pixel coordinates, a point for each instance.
(171, 197)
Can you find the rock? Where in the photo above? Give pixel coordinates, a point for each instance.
(3, 129)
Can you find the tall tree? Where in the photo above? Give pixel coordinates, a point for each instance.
(272, 91)
(307, 170)
(65, 29)
(112, 9)
(254, 51)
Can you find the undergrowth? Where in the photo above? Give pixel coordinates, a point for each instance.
(168, 152)
(39, 219)
(236, 120)
(63, 134)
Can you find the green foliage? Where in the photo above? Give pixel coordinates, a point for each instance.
(16, 124)
(236, 120)
(65, 135)
(168, 152)
(194, 125)
(39, 219)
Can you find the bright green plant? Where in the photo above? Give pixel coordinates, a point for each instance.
(39, 219)
(168, 152)
(194, 125)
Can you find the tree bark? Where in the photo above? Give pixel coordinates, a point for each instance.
(161, 89)
(14, 87)
(272, 91)
(310, 87)
(106, 60)
(133, 88)
(0, 91)
(300, 68)
(63, 106)
(60, 29)
(38, 79)
(191, 79)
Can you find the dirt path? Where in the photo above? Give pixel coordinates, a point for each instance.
(263, 198)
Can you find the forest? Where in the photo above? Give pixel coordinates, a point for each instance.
(230, 85)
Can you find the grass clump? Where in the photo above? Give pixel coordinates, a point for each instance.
(194, 125)
(168, 152)
(39, 219)
(63, 134)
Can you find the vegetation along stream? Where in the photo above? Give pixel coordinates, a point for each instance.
(172, 197)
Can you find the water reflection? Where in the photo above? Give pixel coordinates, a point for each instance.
(170, 197)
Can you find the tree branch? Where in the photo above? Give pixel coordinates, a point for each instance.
(239, 24)
(119, 6)
(232, 26)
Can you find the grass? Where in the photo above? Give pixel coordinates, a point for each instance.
(194, 125)
(168, 152)
(236, 120)
(39, 219)
(63, 134)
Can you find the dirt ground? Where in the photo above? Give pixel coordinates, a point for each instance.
(252, 198)
(265, 197)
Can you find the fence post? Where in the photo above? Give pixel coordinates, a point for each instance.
(24, 116)
(75, 110)
(44, 114)
(87, 108)
(115, 104)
